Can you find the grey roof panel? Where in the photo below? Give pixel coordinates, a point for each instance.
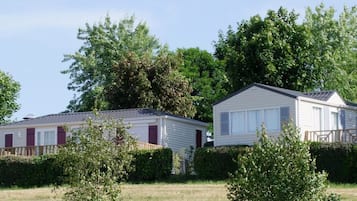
(317, 95)
(320, 95)
(286, 92)
(63, 118)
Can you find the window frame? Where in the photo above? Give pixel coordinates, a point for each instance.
(40, 137)
(246, 130)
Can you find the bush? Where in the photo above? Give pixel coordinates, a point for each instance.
(337, 159)
(217, 162)
(45, 170)
(27, 171)
(151, 165)
(278, 169)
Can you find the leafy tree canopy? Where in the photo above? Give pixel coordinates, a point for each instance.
(333, 50)
(207, 78)
(270, 50)
(123, 66)
(9, 90)
(319, 53)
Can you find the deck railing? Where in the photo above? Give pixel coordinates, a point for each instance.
(29, 151)
(344, 136)
(52, 149)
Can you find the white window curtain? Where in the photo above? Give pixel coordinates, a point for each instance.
(272, 119)
(254, 120)
(46, 138)
(49, 138)
(237, 123)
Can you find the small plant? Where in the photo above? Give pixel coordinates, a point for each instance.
(96, 160)
(278, 169)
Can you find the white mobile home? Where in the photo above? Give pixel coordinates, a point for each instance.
(146, 125)
(321, 116)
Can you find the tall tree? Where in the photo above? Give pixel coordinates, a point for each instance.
(123, 66)
(207, 78)
(9, 90)
(318, 54)
(333, 51)
(272, 51)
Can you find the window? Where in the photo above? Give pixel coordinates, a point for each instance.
(272, 119)
(317, 118)
(237, 123)
(46, 137)
(249, 121)
(334, 121)
(254, 120)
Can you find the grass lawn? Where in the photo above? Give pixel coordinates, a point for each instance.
(159, 192)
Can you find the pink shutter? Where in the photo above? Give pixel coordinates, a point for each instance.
(153, 134)
(8, 140)
(61, 135)
(198, 138)
(30, 137)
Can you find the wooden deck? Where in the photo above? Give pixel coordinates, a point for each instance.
(53, 149)
(343, 136)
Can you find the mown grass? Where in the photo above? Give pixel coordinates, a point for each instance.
(190, 190)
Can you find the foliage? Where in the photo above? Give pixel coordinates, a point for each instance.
(96, 159)
(151, 165)
(217, 162)
(27, 171)
(207, 78)
(9, 90)
(333, 52)
(271, 51)
(278, 169)
(319, 53)
(121, 65)
(337, 159)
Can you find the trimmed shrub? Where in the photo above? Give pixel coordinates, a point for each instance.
(21, 171)
(217, 162)
(337, 159)
(16, 171)
(151, 165)
(28, 171)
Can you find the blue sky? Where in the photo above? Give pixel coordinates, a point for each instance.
(34, 35)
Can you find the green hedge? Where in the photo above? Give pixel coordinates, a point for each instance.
(20, 171)
(26, 171)
(217, 162)
(337, 159)
(151, 165)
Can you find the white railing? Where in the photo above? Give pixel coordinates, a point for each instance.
(344, 136)
(29, 151)
(52, 149)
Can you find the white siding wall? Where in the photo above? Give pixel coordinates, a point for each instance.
(336, 99)
(18, 137)
(306, 116)
(180, 135)
(252, 98)
(140, 132)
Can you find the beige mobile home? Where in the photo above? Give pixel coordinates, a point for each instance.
(146, 125)
(321, 116)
